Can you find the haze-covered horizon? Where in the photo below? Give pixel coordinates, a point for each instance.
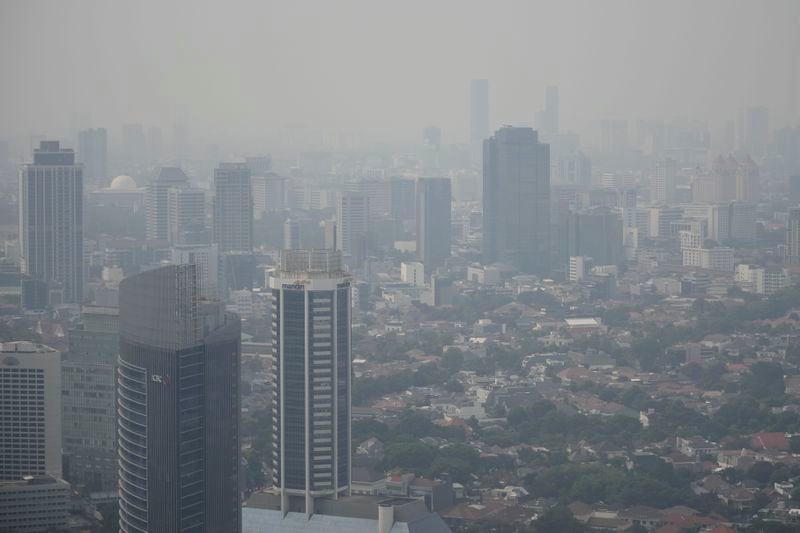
(250, 72)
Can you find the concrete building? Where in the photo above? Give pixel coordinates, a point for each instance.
(93, 155)
(516, 200)
(793, 236)
(233, 208)
(413, 273)
(269, 193)
(157, 200)
(186, 216)
(291, 234)
(88, 373)
(719, 258)
(178, 406)
(51, 220)
(433, 215)
(311, 378)
(32, 495)
(352, 226)
(210, 278)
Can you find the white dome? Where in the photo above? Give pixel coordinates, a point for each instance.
(123, 183)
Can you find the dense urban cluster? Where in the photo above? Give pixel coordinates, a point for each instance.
(509, 329)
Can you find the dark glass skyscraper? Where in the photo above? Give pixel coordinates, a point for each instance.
(312, 378)
(178, 406)
(433, 222)
(516, 200)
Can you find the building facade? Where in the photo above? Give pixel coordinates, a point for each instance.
(233, 208)
(178, 406)
(516, 200)
(312, 378)
(433, 214)
(51, 220)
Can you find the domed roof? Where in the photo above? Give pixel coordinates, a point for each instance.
(123, 183)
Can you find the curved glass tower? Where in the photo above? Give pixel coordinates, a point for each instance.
(177, 406)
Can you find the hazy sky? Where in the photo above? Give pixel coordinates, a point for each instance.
(239, 69)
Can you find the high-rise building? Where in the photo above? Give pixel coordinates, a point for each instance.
(596, 233)
(89, 404)
(157, 200)
(186, 216)
(233, 208)
(662, 188)
(547, 119)
(269, 194)
(742, 221)
(794, 189)
(433, 222)
(748, 181)
(754, 130)
(178, 406)
(403, 192)
(793, 236)
(291, 234)
(51, 219)
(311, 378)
(32, 495)
(516, 200)
(209, 268)
(93, 154)
(352, 226)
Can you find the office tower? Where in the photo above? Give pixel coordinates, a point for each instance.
(352, 220)
(186, 216)
(794, 189)
(93, 154)
(748, 181)
(793, 236)
(378, 193)
(89, 404)
(742, 221)
(433, 222)
(312, 377)
(178, 406)
(413, 273)
(662, 188)
(32, 495)
(724, 170)
(291, 234)
(662, 219)
(574, 169)
(516, 200)
(134, 144)
(754, 130)
(233, 208)
(209, 268)
(34, 296)
(403, 192)
(157, 201)
(547, 119)
(51, 219)
(596, 233)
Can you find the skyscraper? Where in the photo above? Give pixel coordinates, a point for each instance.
(51, 219)
(32, 495)
(433, 222)
(157, 200)
(233, 208)
(793, 236)
(754, 130)
(312, 377)
(89, 403)
(352, 219)
(186, 216)
(178, 406)
(516, 200)
(547, 119)
(93, 154)
(291, 234)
